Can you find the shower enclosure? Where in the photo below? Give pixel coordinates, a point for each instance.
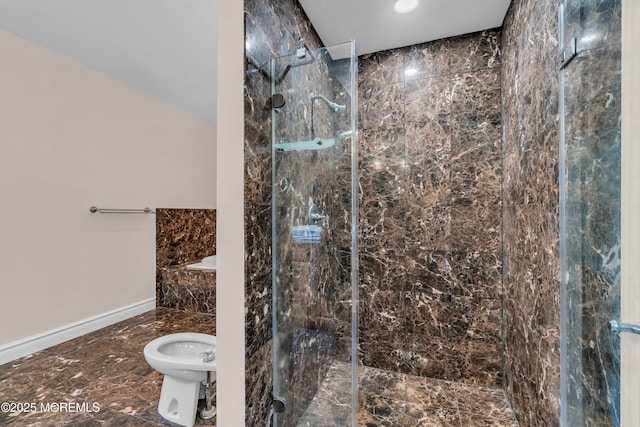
(590, 199)
(314, 240)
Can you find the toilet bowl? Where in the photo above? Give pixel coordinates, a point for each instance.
(184, 359)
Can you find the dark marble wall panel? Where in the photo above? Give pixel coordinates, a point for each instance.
(185, 236)
(272, 29)
(259, 388)
(530, 211)
(427, 149)
(184, 289)
(592, 189)
(430, 222)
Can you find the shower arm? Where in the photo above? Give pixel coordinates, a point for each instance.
(313, 131)
(301, 53)
(335, 107)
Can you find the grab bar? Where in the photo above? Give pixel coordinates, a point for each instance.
(94, 209)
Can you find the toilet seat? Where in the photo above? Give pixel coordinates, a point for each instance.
(162, 362)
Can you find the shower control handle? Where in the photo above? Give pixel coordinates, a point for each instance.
(314, 215)
(618, 328)
(279, 404)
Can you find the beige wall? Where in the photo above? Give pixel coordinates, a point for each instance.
(230, 303)
(70, 138)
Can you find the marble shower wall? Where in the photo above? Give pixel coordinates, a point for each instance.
(185, 236)
(531, 211)
(430, 209)
(272, 29)
(593, 259)
(530, 82)
(415, 150)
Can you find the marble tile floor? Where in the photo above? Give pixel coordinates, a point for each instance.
(106, 370)
(399, 400)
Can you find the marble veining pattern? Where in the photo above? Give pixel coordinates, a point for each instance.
(185, 236)
(106, 367)
(592, 212)
(272, 29)
(530, 211)
(430, 209)
(394, 399)
(185, 289)
(312, 284)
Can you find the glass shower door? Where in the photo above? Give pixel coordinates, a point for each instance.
(314, 236)
(590, 200)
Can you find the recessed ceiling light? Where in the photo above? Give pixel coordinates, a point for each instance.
(405, 6)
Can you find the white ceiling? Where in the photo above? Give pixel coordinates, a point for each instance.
(167, 48)
(375, 26)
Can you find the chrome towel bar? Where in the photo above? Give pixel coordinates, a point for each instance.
(94, 209)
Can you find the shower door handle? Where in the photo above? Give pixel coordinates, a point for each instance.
(618, 328)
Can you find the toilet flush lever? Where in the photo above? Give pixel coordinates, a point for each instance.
(208, 355)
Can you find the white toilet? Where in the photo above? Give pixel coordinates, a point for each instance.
(184, 359)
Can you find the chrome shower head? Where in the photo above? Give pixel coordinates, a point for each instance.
(338, 108)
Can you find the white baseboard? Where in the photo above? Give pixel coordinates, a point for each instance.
(24, 347)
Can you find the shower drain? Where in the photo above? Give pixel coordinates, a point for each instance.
(407, 421)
